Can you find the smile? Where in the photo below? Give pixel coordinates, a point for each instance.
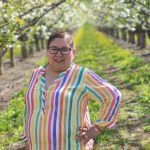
(59, 60)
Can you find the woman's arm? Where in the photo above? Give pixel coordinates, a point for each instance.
(110, 99)
(23, 135)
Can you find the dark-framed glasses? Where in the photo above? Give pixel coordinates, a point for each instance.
(63, 50)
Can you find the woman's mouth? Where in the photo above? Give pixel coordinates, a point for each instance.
(59, 60)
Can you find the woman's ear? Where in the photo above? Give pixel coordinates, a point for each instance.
(74, 51)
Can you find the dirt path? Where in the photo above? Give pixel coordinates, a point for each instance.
(144, 53)
(13, 79)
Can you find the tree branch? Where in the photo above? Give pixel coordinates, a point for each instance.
(36, 19)
(51, 25)
(30, 10)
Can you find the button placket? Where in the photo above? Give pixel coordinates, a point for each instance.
(44, 97)
(45, 91)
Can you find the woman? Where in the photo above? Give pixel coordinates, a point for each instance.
(57, 97)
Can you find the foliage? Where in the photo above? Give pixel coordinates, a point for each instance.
(125, 14)
(36, 17)
(12, 121)
(40, 17)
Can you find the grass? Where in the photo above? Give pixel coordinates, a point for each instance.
(97, 52)
(11, 121)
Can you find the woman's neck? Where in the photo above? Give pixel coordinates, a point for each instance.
(51, 72)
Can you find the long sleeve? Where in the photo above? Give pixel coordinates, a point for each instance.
(23, 135)
(106, 94)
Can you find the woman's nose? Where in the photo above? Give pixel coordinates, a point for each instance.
(59, 53)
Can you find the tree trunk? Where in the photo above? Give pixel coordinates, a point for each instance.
(12, 60)
(0, 65)
(109, 31)
(141, 39)
(112, 32)
(42, 43)
(117, 34)
(24, 51)
(2, 53)
(131, 37)
(138, 38)
(36, 42)
(106, 30)
(31, 48)
(124, 35)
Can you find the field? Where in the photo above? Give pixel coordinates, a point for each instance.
(130, 74)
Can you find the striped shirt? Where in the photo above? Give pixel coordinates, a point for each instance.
(52, 116)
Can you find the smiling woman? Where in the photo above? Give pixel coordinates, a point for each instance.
(56, 101)
(60, 52)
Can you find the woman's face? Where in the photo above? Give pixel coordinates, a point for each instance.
(59, 62)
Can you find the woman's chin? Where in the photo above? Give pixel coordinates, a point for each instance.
(60, 69)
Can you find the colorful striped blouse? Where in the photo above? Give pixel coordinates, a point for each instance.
(52, 116)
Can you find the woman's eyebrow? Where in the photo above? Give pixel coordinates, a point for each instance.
(61, 47)
(53, 46)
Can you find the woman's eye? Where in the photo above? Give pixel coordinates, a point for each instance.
(65, 49)
(53, 49)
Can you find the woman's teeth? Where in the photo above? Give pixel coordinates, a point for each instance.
(59, 60)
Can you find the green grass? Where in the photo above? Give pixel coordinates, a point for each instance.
(11, 121)
(97, 52)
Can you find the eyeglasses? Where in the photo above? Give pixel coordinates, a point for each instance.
(63, 50)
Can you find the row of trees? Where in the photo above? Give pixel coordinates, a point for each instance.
(128, 20)
(30, 22)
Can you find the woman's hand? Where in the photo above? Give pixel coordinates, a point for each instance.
(88, 132)
(27, 147)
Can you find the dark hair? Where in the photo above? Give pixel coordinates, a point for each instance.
(64, 35)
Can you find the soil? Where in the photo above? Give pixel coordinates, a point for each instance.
(144, 53)
(13, 78)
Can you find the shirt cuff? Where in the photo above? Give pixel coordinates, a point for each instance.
(24, 139)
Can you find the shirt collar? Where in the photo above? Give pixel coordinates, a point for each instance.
(43, 70)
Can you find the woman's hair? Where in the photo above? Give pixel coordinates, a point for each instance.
(64, 35)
